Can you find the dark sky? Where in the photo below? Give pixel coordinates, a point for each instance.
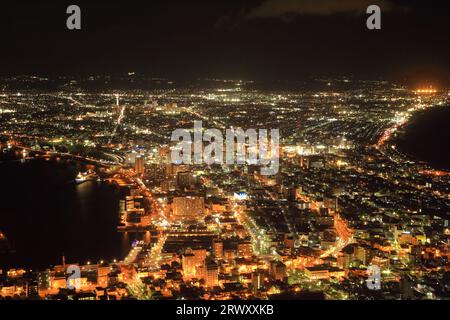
(257, 39)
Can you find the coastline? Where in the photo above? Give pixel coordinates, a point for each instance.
(422, 137)
(55, 214)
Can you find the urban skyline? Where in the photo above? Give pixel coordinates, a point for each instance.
(184, 150)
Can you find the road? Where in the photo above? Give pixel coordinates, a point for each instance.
(344, 233)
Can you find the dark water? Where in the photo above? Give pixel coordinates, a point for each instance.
(44, 214)
(427, 137)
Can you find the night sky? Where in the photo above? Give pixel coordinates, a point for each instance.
(265, 39)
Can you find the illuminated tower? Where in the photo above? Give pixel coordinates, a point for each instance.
(139, 165)
(188, 264)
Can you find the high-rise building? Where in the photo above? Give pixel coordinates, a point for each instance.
(32, 289)
(188, 262)
(257, 279)
(43, 279)
(139, 165)
(344, 260)
(361, 255)
(211, 273)
(218, 248)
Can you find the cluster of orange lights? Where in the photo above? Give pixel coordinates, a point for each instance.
(436, 173)
(426, 91)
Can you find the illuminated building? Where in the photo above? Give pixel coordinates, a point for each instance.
(199, 256)
(58, 282)
(102, 275)
(188, 263)
(257, 279)
(32, 289)
(229, 254)
(240, 196)
(134, 202)
(353, 254)
(361, 254)
(188, 208)
(211, 274)
(135, 215)
(218, 248)
(323, 272)
(139, 165)
(8, 291)
(218, 207)
(244, 249)
(168, 185)
(304, 162)
(344, 260)
(164, 154)
(43, 279)
(122, 206)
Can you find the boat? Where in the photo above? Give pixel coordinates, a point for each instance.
(86, 176)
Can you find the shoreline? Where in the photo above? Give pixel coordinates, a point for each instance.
(82, 202)
(418, 126)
